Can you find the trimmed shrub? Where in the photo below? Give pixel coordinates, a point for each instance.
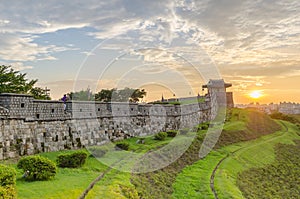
(8, 192)
(71, 160)
(203, 126)
(7, 182)
(122, 145)
(172, 133)
(37, 168)
(160, 136)
(7, 175)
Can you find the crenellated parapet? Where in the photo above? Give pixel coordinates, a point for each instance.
(29, 126)
(18, 106)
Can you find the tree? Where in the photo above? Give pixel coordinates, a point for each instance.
(83, 95)
(12, 81)
(123, 95)
(137, 95)
(104, 95)
(39, 93)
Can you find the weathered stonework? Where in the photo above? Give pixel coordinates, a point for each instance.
(29, 126)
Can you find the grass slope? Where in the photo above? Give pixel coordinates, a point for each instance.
(253, 154)
(194, 181)
(120, 183)
(277, 180)
(242, 125)
(117, 184)
(158, 184)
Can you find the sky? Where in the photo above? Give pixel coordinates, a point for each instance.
(168, 47)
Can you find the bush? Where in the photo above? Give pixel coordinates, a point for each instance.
(122, 145)
(71, 160)
(172, 133)
(7, 175)
(160, 136)
(7, 182)
(37, 168)
(8, 192)
(203, 126)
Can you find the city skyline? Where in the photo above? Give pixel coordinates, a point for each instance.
(166, 47)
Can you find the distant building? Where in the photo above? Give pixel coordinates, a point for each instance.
(283, 107)
(289, 108)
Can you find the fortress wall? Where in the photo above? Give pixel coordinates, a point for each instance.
(18, 105)
(30, 126)
(47, 110)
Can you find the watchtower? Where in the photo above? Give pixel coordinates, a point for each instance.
(217, 88)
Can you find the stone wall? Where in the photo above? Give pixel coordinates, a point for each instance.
(29, 126)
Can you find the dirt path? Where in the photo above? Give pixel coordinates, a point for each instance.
(212, 177)
(92, 184)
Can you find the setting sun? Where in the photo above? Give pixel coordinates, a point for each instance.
(256, 94)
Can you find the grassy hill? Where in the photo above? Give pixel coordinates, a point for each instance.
(241, 125)
(246, 124)
(194, 180)
(277, 180)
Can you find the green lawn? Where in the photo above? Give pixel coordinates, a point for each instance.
(196, 178)
(70, 183)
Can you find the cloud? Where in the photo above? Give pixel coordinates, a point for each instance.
(17, 66)
(251, 38)
(22, 48)
(230, 30)
(270, 69)
(88, 53)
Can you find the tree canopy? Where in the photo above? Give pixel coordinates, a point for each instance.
(122, 95)
(12, 81)
(104, 95)
(83, 95)
(109, 95)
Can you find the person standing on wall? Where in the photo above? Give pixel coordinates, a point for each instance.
(64, 99)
